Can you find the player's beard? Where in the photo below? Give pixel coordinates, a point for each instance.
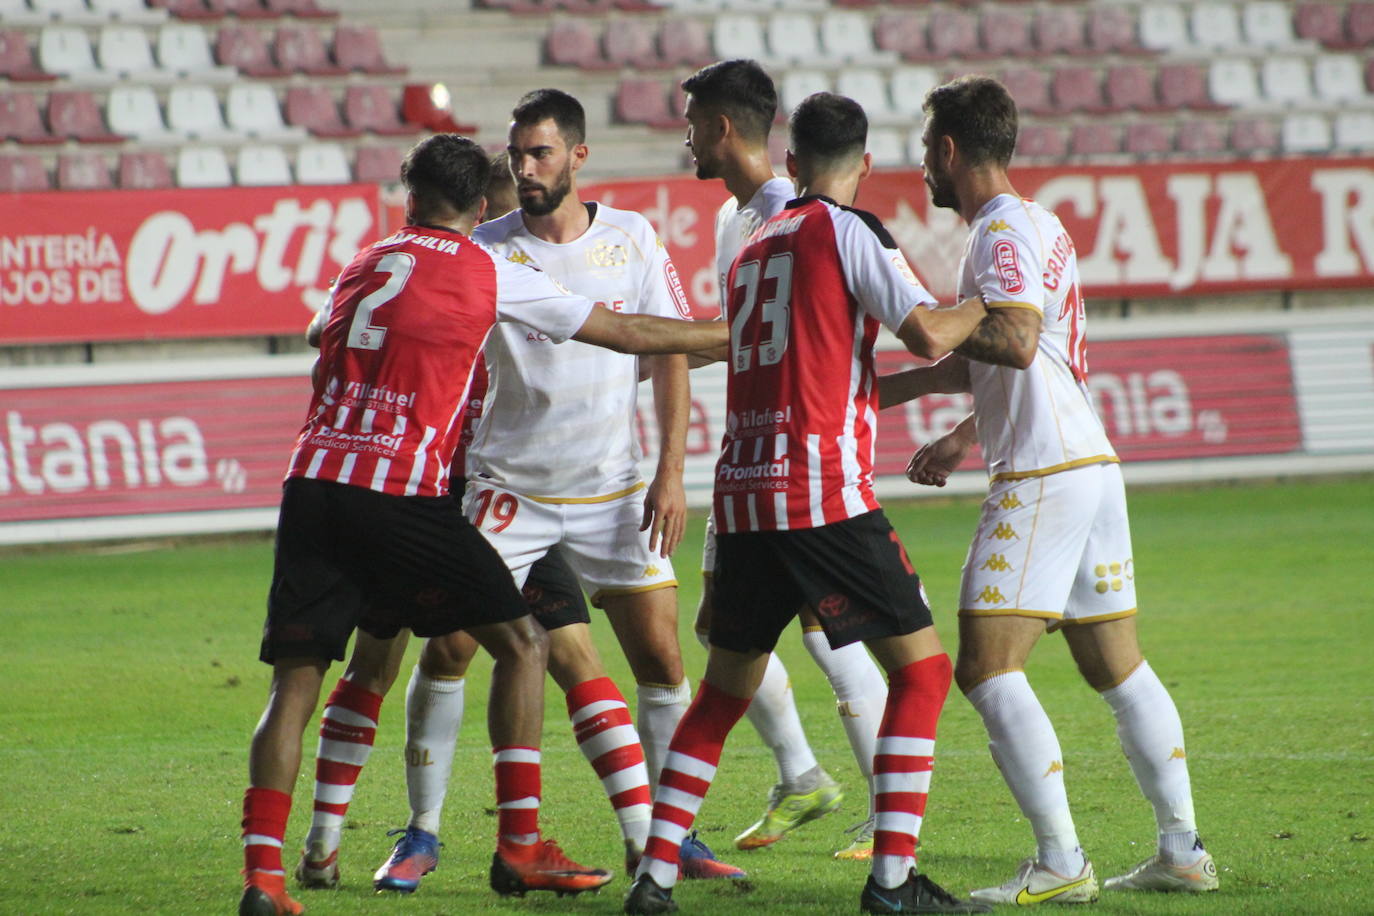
(706, 169)
(942, 191)
(537, 200)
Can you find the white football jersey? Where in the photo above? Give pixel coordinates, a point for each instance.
(735, 224)
(1041, 419)
(559, 419)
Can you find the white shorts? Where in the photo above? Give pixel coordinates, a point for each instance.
(601, 540)
(708, 547)
(1056, 547)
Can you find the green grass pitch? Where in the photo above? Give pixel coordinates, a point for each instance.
(130, 686)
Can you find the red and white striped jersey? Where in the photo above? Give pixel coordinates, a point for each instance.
(407, 319)
(806, 296)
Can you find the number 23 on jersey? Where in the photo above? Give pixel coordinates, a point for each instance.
(759, 325)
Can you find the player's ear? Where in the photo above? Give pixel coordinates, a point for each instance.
(791, 164)
(867, 167)
(580, 152)
(481, 210)
(948, 150)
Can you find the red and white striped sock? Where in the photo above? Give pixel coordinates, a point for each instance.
(607, 738)
(517, 795)
(693, 755)
(264, 825)
(902, 765)
(347, 729)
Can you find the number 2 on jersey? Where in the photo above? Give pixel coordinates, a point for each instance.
(502, 508)
(746, 330)
(362, 333)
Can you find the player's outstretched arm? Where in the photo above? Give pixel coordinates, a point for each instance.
(1008, 336)
(935, 461)
(948, 376)
(665, 502)
(932, 333)
(644, 334)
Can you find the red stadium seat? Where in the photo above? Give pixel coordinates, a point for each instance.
(902, 33)
(1359, 24)
(1131, 87)
(574, 43)
(1030, 88)
(299, 49)
(1095, 139)
(357, 47)
(1005, 33)
(431, 106)
(76, 114)
(21, 121)
(373, 109)
(244, 47)
(1078, 89)
(301, 9)
(1201, 138)
(23, 172)
(644, 101)
(630, 43)
(86, 170)
(1059, 30)
(684, 42)
(953, 33)
(144, 171)
(1042, 141)
(381, 164)
(1111, 30)
(313, 108)
(1323, 22)
(1149, 139)
(1254, 135)
(16, 59)
(1185, 86)
(192, 10)
(243, 9)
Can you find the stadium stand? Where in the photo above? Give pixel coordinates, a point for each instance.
(83, 170)
(145, 170)
(23, 172)
(262, 164)
(75, 114)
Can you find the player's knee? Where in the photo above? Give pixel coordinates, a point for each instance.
(448, 656)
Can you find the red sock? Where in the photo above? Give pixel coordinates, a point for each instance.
(906, 752)
(264, 825)
(347, 731)
(607, 738)
(517, 794)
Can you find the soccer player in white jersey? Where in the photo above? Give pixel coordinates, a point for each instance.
(407, 319)
(730, 109)
(797, 520)
(1053, 548)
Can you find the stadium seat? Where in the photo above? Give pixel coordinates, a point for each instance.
(134, 112)
(313, 108)
(184, 48)
(1232, 81)
(1354, 131)
(1163, 27)
(1285, 80)
(684, 42)
(737, 36)
(1042, 141)
(1077, 89)
(193, 111)
(71, 12)
(574, 43)
(1060, 30)
(1145, 139)
(144, 170)
(358, 48)
(847, 36)
(1337, 78)
(381, 164)
(1251, 136)
(251, 110)
(1131, 87)
(887, 146)
(299, 49)
(430, 105)
(1095, 139)
(16, 13)
(1030, 88)
(74, 113)
(1201, 138)
(792, 38)
(123, 50)
(65, 51)
(798, 84)
(244, 47)
(644, 101)
(16, 59)
(133, 12)
(373, 109)
(953, 33)
(260, 165)
(202, 167)
(909, 85)
(1322, 22)
(869, 89)
(1267, 24)
(902, 33)
(23, 172)
(915, 145)
(1184, 86)
(1306, 132)
(84, 170)
(1215, 26)
(21, 121)
(243, 9)
(1111, 30)
(192, 10)
(301, 9)
(1359, 24)
(631, 43)
(322, 163)
(1004, 32)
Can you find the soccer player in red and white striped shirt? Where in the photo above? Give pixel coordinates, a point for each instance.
(368, 537)
(798, 524)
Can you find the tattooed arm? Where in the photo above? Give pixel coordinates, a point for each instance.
(1008, 336)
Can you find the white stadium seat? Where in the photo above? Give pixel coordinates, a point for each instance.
(869, 89)
(848, 35)
(1338, 78)
(792, 38)
(1268, 24)
(798, 84)
(1305, 132)
(1232, 81)
(124, 50)
(185, 48)
(1163, 27)
(133, 111)
(251, 109)
(65, 50)
(887, 146)
(203, 167)
(1216, 26)
(1286, 80)
(322, 163)
(909, 87)
(1355, 131)
(134, 12)
(260, 165)
(193, 111)
(737, 36)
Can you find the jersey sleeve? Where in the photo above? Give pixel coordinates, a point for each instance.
(1007, 267)
(661, 291)
(876, 271)
(534, 298)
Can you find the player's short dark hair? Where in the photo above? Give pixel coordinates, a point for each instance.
(979, 113)
(740, 90)
(446, 170)
(826, 127)
(543, 104)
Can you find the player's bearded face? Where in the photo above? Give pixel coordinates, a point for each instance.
(538, 199)
(937, 179)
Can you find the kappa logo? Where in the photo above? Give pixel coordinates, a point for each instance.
(650, 571)
(519, 257)
(1055, 767)
(1004, 532)
(996, 562)
(991, 595)
(998, 225)
(1010, 501)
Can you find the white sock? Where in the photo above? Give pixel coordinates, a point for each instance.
(1151, 736)
(860, 696)
(660, 709)
(773, 713)
(434, 713)
(1026, 749)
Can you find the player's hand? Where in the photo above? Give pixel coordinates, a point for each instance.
(665, 514)
(935, 461)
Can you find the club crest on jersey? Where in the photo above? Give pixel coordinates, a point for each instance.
(1008, 267)
(603, 254)
(903, 268)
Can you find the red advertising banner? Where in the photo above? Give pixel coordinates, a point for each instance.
(130, 265)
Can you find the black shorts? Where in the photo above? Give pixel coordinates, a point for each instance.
(553, 593)
(351, 557)
(855, 574)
